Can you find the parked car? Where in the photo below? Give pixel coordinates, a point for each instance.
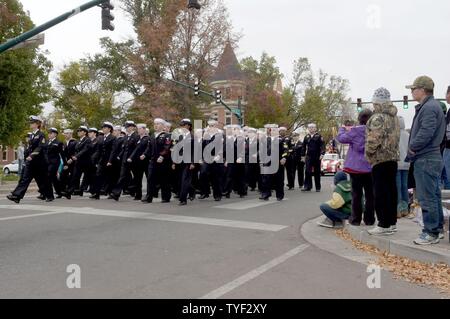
(331, 164)
(11, 168)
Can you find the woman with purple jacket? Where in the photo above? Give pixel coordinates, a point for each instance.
(359, 170)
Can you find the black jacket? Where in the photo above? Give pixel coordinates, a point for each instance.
(158, 146)
(141, 146)
(54, 152)
(83, 151)
(313, 146)
(129, 145)
(36, 147)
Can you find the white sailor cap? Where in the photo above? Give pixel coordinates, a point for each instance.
(108, 124)
(312, 125)
(130, 123)
(185, 122)
(83, 128)
(68, 131)
(34, 119)
(252, 130)
(283, 128)
(168, 124)
(159, 121)
(53, 130)
(123, 130)
(141, 125)
(93, 130)
(212, 122)
(117, 128)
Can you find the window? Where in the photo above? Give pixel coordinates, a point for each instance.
(4, 153)
(227, 94)
(228, 117)
(15, 155)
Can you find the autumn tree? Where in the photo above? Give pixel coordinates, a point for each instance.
(265, 104)
(24, 82)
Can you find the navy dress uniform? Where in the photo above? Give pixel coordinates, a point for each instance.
(55, 155)
(82, 160)
(299, 163)
(115, 158)
(139, 166)
(35, 166)
(313, 150)
(159, 166)
(94, 155)
(128, 147)
(67, 172)
(252, 169)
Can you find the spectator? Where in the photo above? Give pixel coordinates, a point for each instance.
(20, 157)
(359, 170)
(446, 153)
(427, 133)
(382, 152)
(339, 207)
(403, 171)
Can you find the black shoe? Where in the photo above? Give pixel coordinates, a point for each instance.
(217, 199)
(41, 197)
(49, 200)
(204, 197)
(266, 198)
(252, 189)
(279, 199)
(227, 195)
(13, 198)
(138, 198)
(59, 196)
(97, 197)
(165, 201)
(176, 196)
(79, 193)
(317, 190)
(306, 189)
(126, 192)
(291, 188)
(147, 200)
(67, 195)
(182, 204)
(115, 197)
(192, 198)
(242, 196)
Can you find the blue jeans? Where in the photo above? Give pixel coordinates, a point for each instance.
(427, 173)
(402, 186)
(333, 214)
(446, 173)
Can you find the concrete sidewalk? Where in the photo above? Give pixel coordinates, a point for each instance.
(401, 243)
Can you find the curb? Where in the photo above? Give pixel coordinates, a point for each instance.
(401, 247)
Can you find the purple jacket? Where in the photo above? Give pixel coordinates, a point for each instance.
(356, 138)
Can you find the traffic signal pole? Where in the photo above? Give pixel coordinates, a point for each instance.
(239, 117)
(29, 34)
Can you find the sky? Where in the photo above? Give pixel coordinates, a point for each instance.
(371, 43)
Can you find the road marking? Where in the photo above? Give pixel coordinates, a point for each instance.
(247, 204)
(30, 215)
(215, 294)
(152, 216)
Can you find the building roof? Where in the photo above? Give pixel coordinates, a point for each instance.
(228, 68)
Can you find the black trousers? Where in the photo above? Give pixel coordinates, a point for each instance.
(275, 180)
(53, 177)
(37, 171)
(385, 190)
(312, 168)
(290, 171)
(79, 170)
(238, 175)
(139, 169)
(362, 188)
(89, 178)
(228, 174)
(300, 167)
(186, 187)
(211, 174)
(175, 178)
(158, 176)
(252, 175)
(66, 176)
(104, 179)
(125, 179)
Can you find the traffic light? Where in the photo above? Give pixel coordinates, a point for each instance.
(193, 4)
(197, 88)
(405, 102)
(218, 96)
(359, 105)
(107, 17)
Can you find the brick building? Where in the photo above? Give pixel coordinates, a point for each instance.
(7, 155)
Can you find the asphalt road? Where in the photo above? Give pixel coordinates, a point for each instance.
(232, 249)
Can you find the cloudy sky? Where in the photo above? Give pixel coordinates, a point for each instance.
(371, 43)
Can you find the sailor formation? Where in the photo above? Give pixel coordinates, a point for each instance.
(113, 161)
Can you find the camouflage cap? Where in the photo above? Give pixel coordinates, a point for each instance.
(422, 82)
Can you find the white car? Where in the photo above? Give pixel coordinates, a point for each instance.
(331, 164)
(11, 168)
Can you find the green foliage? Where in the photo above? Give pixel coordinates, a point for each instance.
(24, 83)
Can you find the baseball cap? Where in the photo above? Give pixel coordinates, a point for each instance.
(423, 82)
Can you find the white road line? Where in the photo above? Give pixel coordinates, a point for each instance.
(254, 273)
(152, 216)
(30, 215)
(247, 204)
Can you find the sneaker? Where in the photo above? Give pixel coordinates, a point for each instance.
(394, 228)
(426, 239)
(327, 223)
(380, 231)
(441, 235)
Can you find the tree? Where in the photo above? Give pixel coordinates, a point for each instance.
(177, 43)
(24, 76)
(265, 105)
(318, 98)
(85, 95)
